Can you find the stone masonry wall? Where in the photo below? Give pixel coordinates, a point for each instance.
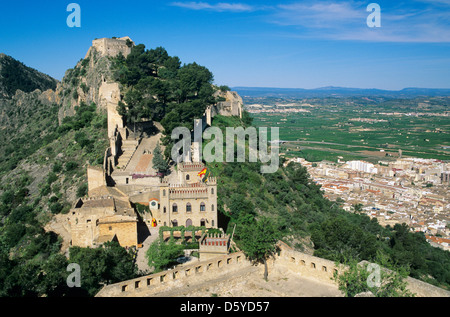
(172, 279)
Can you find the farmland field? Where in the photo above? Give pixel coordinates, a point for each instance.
(357, 128)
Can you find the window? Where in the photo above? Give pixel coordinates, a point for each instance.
(202, 207)
(212, 207)
(110, 228)
(164, 209)
(187, 177)
(164, 192)
(188, 207)
(174, 208)
(212, 191)
(175, 223)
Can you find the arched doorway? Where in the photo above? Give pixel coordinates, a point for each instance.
(188, 222)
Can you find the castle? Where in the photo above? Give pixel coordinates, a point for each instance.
(127, 177)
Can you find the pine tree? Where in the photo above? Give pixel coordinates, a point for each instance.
(159, 163)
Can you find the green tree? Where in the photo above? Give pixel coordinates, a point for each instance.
(357, 208)
(258, 240)
(161, 255)
(367, 277)
(159, 163)
(107, 264)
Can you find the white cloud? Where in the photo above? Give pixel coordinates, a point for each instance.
(324, 14)
(339, 20)
(347, 21)
(218, 7)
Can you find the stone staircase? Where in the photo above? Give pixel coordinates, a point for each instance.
(128, 148)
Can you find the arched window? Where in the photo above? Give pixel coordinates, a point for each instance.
(175, 223)
(212, 191)
(164, 192)
(164, 209)
(188, 222)
(188, 207)
(187, 177)
(174, 208)
(202, 207)
(212, 207)
(202, 222)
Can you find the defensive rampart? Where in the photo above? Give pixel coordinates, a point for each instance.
(165, 281)
(304, 265)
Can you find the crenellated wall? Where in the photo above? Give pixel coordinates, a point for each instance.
(323, 270)
(165, 281)
(304, 265)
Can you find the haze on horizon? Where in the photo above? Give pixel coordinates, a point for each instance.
(250, 43)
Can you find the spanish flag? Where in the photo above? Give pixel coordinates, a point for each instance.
(202, 172)
(154, 224)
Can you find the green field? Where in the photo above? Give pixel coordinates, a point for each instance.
(328, 131)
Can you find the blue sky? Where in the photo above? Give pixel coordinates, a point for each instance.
(292, 44)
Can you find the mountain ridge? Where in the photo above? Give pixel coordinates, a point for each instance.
(15, 75)
(334, 91)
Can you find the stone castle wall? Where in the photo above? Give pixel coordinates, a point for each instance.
(288, 259)
(323, 270)
(153, 284)
(112, 47)
(126, 232)
(96, 177)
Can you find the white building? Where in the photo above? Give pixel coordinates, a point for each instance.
(361, 166)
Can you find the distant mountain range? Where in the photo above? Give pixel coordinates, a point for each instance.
(338, 92)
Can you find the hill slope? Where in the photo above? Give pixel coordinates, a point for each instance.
(15, 75)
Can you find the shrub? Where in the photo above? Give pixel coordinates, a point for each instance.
(71, 165)
(82, 190)
(56, 208)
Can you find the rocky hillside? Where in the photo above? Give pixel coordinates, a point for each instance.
(81, 84)
(14, 76)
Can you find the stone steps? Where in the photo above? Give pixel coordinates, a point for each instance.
(128, 149)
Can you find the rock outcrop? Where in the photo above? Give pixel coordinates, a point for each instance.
(83, 82)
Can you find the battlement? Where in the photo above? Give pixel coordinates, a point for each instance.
(213, 245)
(189, 166)
(188, 193)
(113, 46)
(288, 260)
(172, 279)
(214, 239)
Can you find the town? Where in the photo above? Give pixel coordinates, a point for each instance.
(409, 190)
